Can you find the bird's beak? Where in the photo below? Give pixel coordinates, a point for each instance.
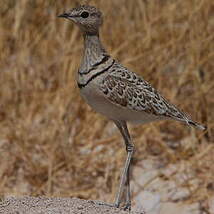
(64, 15)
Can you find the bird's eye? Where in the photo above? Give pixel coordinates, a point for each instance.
(84, 14)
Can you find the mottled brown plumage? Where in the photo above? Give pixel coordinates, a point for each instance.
(127, 89)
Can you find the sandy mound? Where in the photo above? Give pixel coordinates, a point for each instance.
(42, 205)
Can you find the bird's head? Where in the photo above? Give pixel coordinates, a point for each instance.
(88, 18)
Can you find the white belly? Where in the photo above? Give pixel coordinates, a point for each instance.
(95, 98)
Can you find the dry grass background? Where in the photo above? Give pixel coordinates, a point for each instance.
(52, 143)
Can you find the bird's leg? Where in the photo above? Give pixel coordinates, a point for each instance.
(125, 174)
(129, 147)
(127, 205)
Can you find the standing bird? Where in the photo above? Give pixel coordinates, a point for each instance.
(116, 92)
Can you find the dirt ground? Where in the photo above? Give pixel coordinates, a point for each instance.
(42, 205)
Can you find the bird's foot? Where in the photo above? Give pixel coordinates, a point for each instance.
(126, 207)
(105, 204)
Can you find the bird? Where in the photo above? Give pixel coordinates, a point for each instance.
(116, 92)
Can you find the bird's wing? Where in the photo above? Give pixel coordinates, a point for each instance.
(127, 89)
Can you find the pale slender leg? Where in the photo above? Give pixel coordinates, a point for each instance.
(128, 191)
(124, 181)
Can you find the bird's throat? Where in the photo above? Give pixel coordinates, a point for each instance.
(93, 50)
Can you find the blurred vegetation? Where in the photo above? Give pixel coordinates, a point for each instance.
(52, 143)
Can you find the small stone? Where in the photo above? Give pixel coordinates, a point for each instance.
(150, 202)
(180, 194)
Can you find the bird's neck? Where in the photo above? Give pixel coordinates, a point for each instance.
(93, 50)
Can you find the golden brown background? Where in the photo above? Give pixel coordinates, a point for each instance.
(52, 143)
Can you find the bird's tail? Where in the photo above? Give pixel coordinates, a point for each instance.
(195, 124)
